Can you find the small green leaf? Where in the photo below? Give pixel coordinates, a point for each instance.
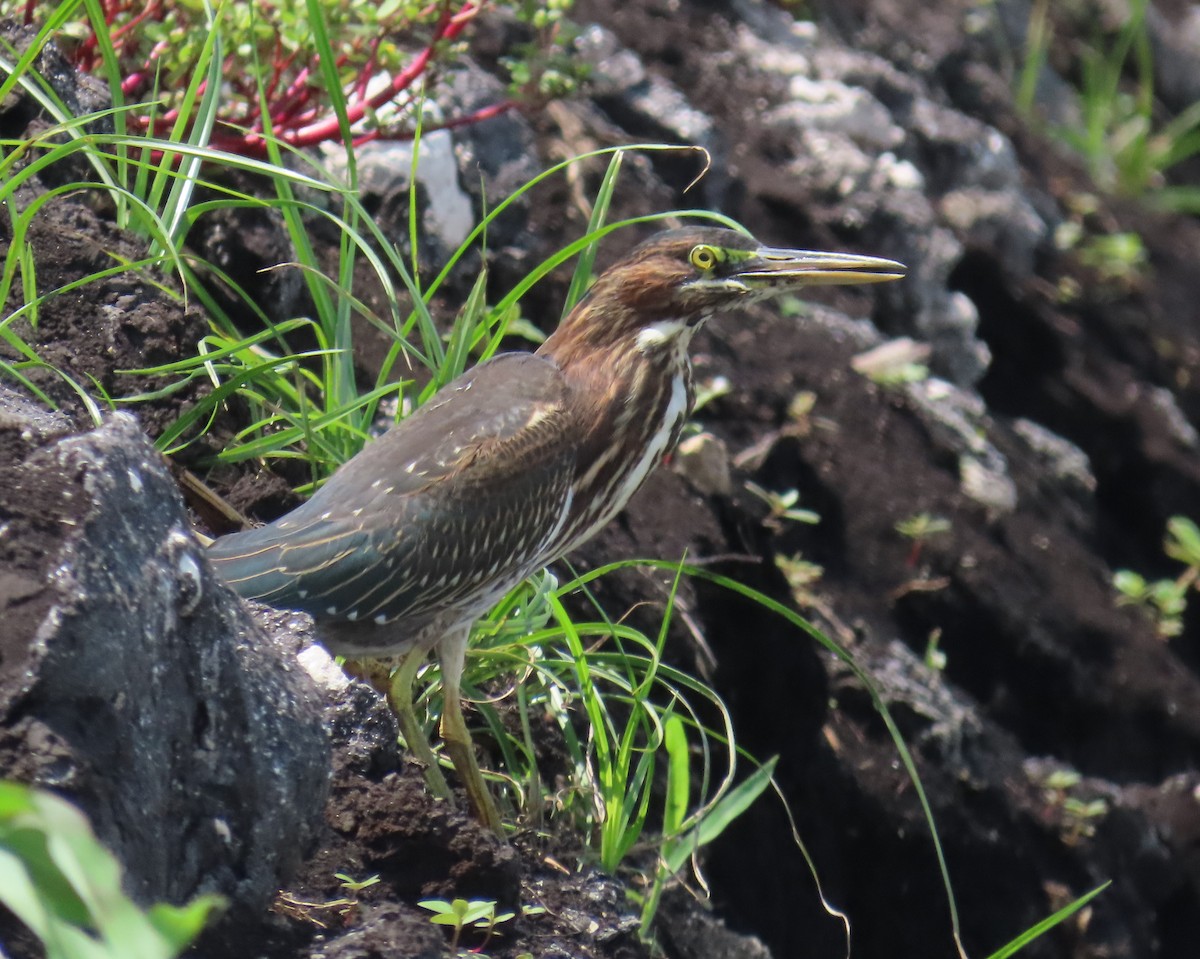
(1130, 584)
(436, 905)
(1062, 779)
(478, 909)
(1183, 540)
(678, 775)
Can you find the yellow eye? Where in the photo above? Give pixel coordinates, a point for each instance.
(705, 257)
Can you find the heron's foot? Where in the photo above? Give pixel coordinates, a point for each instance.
(376, 673)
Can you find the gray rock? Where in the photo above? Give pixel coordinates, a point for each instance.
(695, 934)
(1067, 465)
(645, 102)
(495, 158)
(1175, 38)
(463, 172)
(384, 929)
(1163, 402)
(362, 728)
(830, 106)
(80, 93)
(145, 693)
(956, 421)
(1002, 221)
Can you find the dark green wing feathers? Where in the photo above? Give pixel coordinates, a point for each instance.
(436, 512)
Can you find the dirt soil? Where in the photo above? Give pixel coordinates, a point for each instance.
(1043, 671)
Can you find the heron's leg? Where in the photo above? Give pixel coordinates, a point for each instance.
(399, 696)
(451, 651)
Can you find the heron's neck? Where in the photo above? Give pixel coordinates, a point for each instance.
(631, 404)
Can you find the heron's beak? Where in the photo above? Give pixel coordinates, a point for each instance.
(770, 270)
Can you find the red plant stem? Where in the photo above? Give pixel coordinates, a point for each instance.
(277, 67)
(914, 555)
(292, 114)
(298, 120)
(85, 55)
(288, 114)
(279, 64)
(297, 86)
(448, 28)
(239, 144)
(476, 116)
(364, 75)
(141, 76)
(153, 8)
(298, 94)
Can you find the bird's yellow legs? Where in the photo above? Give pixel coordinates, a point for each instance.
(399, 696)
(451, 652)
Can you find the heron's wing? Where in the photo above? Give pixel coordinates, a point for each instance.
(452, 503)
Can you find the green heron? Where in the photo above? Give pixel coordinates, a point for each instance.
(509, 467)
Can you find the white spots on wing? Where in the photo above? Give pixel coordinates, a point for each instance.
(381, 620)
(302, 593)
(409, 468)
(356, 512)
(331, 611)
(352, 615)
(135, 480)
(377, 484)
(327, 514)
(389, 491)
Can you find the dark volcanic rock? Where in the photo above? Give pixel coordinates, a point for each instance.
(131, 683)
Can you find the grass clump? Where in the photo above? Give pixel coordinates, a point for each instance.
(1123, 134)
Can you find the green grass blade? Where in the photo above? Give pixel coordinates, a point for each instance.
(1047, 924)
(678, 775)
(582, 276)
(722, 813)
